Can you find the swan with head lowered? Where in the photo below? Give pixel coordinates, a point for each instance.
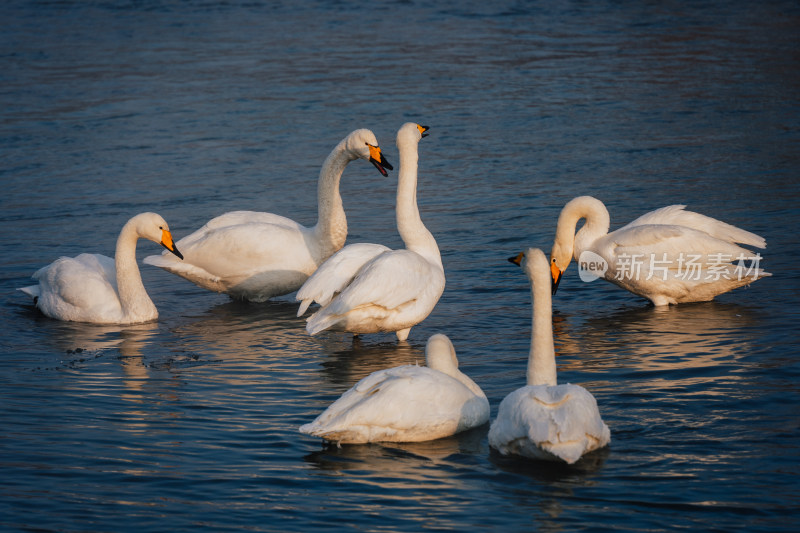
(407, 403)
(97, 289)
(544, 420)
(255, 256)
(368, 288)
(668, 256)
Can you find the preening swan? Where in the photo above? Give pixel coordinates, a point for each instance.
(544, 420)
(407, 403)
(255, 256)
(367, 288)
(668, 256)
(95, 288)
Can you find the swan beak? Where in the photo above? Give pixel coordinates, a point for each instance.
(556, 274)
(166, 242)
(517, 259)
(422, 130)
(377, 159)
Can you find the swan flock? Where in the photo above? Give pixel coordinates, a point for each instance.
(365, 288)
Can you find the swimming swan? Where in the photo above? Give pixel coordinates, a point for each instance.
(255, 256)
(97, 289)
(668, 256)
(407, 403)
(544, 420)
(367, 288)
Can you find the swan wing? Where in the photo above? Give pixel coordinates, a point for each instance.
(227, 252)
(677, 215)
(407, 403)
(73, 288)
(336, 273)
(388, 281)
(671, 243)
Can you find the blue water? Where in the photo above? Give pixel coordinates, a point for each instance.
(192, 109)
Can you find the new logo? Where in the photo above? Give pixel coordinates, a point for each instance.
(591, 266)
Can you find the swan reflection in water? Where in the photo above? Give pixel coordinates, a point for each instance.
(239, 328)
(655, 340)
(399, 459)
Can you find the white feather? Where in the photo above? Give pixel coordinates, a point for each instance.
(668, 256)
(544, 420)
(256, 256)
(407, 403)
(368, 288)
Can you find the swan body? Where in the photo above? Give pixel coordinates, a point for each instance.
(407, 403)
(668, 256)
(368, 288)
(256, 256)
(97, 289)
(544, 420)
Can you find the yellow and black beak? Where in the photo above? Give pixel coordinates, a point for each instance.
(517, 259)
(422, 130)
(556, 274)
(166, 242)
(377, 159)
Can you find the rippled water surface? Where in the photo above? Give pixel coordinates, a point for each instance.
(192, 109)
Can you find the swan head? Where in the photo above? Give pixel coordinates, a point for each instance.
(534, 259)
(411, 132)
(567, 242)
(153, 227)
(560, 257)
(362, 143)
(440, 354)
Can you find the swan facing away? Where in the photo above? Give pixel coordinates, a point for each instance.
(368, 288)
(668, 256)
(407, 403)
(97, 289)
(544, 420)
(255, 256)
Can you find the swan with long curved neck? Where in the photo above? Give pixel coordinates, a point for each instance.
(368, 288)
(256, 256)
(668, 256)
(97, 289)
(544, 420)
(408, 403)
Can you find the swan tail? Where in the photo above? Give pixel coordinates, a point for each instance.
(33, 291)
(161, 260)
(304, 306)
(186, 270)
(319, 322)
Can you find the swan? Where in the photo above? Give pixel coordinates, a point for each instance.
(668, 256)
(255, 256)
(367, 288)
(97, 289)
(407, 403)
(544, 420)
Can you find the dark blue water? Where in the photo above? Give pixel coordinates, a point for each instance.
(192, 109)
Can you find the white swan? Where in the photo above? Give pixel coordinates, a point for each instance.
(407, 403)
(255, 256)
(95, 288)
(668, 256)
(367, 288)
(544, 420)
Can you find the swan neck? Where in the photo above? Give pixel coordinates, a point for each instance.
(331, 228)
(597, 222)
(542, 356)
(133, 296)
(409, 224)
